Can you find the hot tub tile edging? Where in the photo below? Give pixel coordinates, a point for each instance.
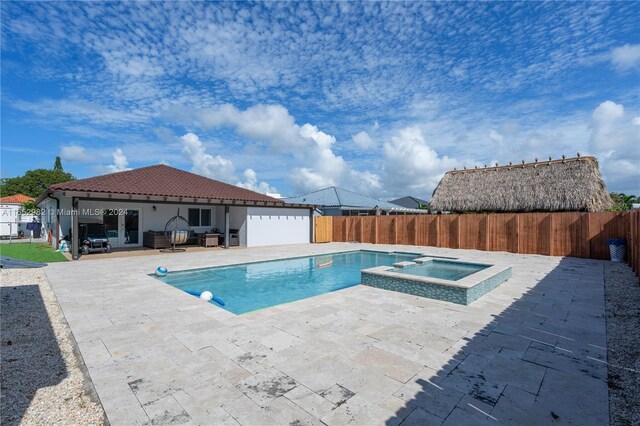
(380, 277)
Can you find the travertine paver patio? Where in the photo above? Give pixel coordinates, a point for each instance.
(530, 352)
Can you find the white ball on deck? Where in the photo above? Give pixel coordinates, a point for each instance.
(161, 271)
(206, 295)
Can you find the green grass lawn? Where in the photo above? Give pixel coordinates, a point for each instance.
(34, 252)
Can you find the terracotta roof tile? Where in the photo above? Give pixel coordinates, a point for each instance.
(162, 181)
(16, 199)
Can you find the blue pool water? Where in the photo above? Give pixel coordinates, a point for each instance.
(443, 269)
(252, 286)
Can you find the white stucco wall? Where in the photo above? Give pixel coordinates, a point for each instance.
(9, 219)
(272, 226)
(13, 220)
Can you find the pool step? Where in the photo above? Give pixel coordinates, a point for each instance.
(403, 264)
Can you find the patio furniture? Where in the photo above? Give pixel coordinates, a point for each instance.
(208, 240)
(157, 239)
(177, 232)
(234, 238)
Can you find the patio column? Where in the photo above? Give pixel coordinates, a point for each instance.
(74, 229)
(312, 226)
(227, 222)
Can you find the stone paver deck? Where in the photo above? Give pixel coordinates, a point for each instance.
(533, 351)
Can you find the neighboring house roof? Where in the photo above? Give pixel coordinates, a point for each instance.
(571, 184)
(345, 200)
(409, 202)
(16, 199)
(161, 181)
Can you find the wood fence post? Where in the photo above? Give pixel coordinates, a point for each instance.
(346, 230)
(375, 229)
(361, 230)
(518, 242)
(551, 238)
(487, 241)
(588, 234)
(395, 230)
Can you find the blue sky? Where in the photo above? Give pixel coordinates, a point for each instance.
(380, 98)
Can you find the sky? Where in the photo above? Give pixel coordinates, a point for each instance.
(379, 98)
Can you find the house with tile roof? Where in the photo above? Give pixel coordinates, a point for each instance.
(136, 205)
(334, 201)
(12, 219)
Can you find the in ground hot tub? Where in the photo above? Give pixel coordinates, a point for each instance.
(449, 280)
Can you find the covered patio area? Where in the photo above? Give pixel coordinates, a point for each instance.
(135, 206)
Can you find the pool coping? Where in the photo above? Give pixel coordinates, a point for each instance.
(251, 262)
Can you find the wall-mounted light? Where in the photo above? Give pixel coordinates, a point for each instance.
(154, 208)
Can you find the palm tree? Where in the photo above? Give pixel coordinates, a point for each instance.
(623, 202)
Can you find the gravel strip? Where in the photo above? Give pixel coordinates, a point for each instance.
(622, 300)
(43, 379)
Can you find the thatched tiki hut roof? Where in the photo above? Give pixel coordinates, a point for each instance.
(571, 184)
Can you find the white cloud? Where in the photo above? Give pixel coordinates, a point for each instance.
(219, 167)
(495, 136)
(271, 123)
(366, 182)
(141, 66)
(310, 148)
(615, 140)
(75, 153)
(305, 180)
(363, 141)
(324, 167)
(251, 182)
(626, 57)
(605, 122)
(80, 110)
(120, 162)
(411, 167)
(203, 163)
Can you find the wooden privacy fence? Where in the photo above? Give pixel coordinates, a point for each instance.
(553, 234)
(323, 232)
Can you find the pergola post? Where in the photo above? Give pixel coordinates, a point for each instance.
(227, 222)
(74, 229)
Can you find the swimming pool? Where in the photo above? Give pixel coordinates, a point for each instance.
(247, 287)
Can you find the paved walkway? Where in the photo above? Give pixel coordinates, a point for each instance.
(530, 352)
